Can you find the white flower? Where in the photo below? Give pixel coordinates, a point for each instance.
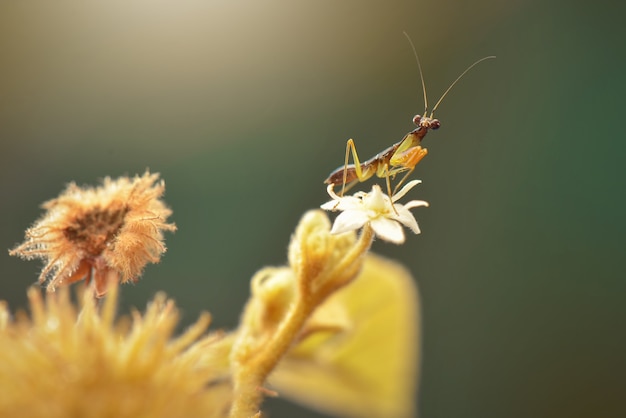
(382, 212)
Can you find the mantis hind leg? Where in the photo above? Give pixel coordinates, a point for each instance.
(351, 148)
(347, 186)
(388, 181)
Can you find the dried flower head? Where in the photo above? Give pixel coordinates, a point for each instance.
(69, 361)
(106, 233)
(376, 208)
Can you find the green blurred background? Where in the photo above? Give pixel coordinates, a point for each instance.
(244, 107)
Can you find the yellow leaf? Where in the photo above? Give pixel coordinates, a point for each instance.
(359, 352)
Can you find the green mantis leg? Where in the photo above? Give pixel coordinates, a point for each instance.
(350, 147)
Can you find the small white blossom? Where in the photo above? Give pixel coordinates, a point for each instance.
(382, 212)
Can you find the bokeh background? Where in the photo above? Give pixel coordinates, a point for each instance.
(245, 106)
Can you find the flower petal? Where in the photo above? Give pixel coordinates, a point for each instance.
(377, 201)
(331, 192)
(405, 189)
(406, 218)
(388, 230)
(415, 204)
(343, 203)
(349, 221)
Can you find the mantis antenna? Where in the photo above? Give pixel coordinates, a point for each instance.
(417, 58)
(419, 66)
(457, 80)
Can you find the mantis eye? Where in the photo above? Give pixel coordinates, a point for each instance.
(435, 124)
(417, 119)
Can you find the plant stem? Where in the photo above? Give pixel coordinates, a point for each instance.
(251, 375)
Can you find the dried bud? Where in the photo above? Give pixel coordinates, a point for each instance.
(106, 233)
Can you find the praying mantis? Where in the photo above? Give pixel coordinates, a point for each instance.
(401, 157)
